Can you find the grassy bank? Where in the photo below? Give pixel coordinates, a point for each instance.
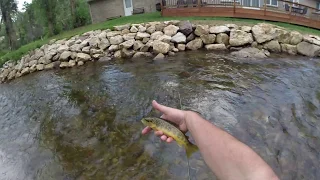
(17, 54)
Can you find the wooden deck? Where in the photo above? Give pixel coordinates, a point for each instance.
(308, 16)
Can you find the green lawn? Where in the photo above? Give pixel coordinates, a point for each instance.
(17, 54)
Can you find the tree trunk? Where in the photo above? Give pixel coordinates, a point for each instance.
(50, 17)
(73, 12)
(10, 32)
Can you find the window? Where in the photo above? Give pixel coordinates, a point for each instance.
(318, 6)
(295, 1)
(128, 3)
(272, 2)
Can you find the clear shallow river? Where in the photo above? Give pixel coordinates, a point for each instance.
(84, 123)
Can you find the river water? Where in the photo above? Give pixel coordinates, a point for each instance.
(84, 123)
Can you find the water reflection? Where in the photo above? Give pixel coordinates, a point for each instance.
(83, 123)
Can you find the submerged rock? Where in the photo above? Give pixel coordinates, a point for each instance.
(249, 52)
(159, 57)
(219, 47)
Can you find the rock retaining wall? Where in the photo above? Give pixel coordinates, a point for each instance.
(160, 39)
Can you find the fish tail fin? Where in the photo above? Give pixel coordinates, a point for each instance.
(190, 149)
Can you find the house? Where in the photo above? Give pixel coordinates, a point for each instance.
(102, 10)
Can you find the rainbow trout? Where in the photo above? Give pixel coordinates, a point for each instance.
(170, 130)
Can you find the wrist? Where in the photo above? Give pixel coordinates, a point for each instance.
(189, 116)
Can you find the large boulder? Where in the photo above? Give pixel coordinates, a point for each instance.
(76, 47)
(33, 62)
(165, 38)
(12, 74)
(308, 49)
(104, 44)
(40, 67)
(65, 55)
(83, 57)
(272, 46)
(191, 37)
(122, 27)
(312, 39)
(25, 71)
(296, 37)
(263, 32)
(232, 26)
(72, 63)
(282, 35)
(4, 74)
(240, 38)
(141, 54)
(217, 47)
(156, 35)
(246, 28)
(179, 38)
(151, 29)
(129, 36)
(201, 30)
(118, 54)
(63, 48)
(134, 29)
(141, 35)
(64, 64)
(249, 52)
(127, 44)
(137, 45)
(116, 40)
(161, 47)
(142, 28)
(185, 27)
(113, 33)
(94, 41)
(208, 38)
(126, 53)
(288, 48)
(160, 27)
(114, 48)
(222, 38)
(44, 61)
(195, 44)
(219, 29)
(170, 30)
(102, 35)
(181, 47)
(39, 53)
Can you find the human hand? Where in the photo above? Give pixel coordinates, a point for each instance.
(175, 116)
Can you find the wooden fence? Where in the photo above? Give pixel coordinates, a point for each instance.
(273, 10)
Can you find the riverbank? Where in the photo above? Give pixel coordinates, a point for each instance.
(160, 39)
(148, 17)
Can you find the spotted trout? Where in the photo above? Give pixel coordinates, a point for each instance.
(170, 130)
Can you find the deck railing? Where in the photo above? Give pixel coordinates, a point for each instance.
(275, 10)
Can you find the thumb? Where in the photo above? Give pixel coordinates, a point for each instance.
(161, 108)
